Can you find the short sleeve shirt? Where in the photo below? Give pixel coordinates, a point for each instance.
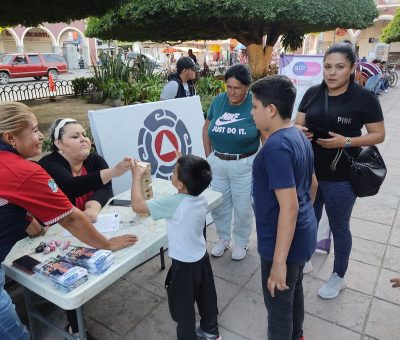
(185, 217)
(232, 129)
(285, 161)
(347, 114)
(26, 188)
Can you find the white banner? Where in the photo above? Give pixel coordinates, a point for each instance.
(151, 132)
(304, 71)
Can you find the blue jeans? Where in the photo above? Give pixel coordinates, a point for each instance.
(373, 83)
(233, 180)
(11, 327)
(286, 309)
(339, 199)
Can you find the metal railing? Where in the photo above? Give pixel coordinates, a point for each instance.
(35, 91)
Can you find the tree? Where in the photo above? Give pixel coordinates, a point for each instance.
(34, 12)
(391, 33)
(245, 20)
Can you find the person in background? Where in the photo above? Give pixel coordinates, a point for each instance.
(83, 176)
(284, 188)
(231, 141)
(370, 75)
(27, 190)
(180, 84)
(333, 115)
(192, 56)
(190, 278)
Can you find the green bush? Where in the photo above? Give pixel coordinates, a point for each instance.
(81, 85)
(209, 86)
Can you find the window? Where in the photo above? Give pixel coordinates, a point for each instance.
(34, 59)
(53, 58)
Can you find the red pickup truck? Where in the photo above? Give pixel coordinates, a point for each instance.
(36, 65)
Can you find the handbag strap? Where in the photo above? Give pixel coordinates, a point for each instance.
(340, 150)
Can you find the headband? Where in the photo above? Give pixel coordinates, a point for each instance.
(60, 125)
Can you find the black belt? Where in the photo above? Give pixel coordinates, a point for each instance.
(229, 157)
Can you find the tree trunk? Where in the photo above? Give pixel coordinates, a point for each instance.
(259, 59)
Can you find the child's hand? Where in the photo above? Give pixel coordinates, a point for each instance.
(137, 170)
(277, 278)
(396, 282)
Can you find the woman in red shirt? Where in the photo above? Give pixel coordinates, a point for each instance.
(27, 190)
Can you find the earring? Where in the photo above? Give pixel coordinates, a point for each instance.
(13, 146)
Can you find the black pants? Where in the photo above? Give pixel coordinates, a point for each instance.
(286, 309)
(187, 283)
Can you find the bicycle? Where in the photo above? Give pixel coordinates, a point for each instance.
(391, 75)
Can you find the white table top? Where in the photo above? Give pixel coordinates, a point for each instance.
(152, 236)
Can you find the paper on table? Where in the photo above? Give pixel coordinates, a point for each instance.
(106, 223)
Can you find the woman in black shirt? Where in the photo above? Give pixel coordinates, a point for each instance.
(83, 176)
(332, 115)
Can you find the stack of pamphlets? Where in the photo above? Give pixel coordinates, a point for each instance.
(96, 261)
(63, 275)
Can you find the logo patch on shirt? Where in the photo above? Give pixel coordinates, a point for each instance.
(343, 120)
(228, 118)
(52, 185)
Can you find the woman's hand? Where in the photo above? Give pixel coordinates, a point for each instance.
(303, 129)
(277, 278)
(123, 241)
(337, 141)
(122, 167)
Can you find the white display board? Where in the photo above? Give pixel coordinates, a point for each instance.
(304, 71)
(151, 132)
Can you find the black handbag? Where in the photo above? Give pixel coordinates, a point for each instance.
(367, 171)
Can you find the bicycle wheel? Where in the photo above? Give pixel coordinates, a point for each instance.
(392, 79)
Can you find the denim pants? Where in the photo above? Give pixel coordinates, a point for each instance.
(233, 180)
(339, 199)
(286, 309)
(373, 83)
(11, 327)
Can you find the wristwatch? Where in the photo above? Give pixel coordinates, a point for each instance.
(347, 143)
(42, 232)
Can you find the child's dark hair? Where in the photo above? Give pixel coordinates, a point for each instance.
(277, 90)
(195, 173)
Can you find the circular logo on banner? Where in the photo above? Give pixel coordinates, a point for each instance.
(162, 135)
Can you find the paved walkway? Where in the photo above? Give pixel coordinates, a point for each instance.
(136, 306)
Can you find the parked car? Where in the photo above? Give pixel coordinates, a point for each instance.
(148, 58)
(36, 65)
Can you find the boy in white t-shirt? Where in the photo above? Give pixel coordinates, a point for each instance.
(190, 277)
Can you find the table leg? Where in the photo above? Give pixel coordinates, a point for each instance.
(81, 322)
(29, 308)
(162, 259)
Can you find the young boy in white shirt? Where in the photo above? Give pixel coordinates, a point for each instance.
(190, 277)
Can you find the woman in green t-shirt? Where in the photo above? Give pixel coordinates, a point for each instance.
(231, 141)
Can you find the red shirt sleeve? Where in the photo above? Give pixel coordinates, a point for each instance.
(40, 196)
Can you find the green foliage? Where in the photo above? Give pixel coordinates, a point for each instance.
(209, 86)
(391, 33)
(131, 83)
(246, 20)
(81, 85)
(32, 13)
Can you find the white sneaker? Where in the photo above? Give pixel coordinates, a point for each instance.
(332, 287)
(239, 253)
(220, 247)
(386, 91)
(204, 335)
(308, 267)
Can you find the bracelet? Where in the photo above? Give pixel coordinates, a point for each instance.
(42, 232)
(347, 143)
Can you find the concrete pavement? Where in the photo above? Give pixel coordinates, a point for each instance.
(136, 306)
